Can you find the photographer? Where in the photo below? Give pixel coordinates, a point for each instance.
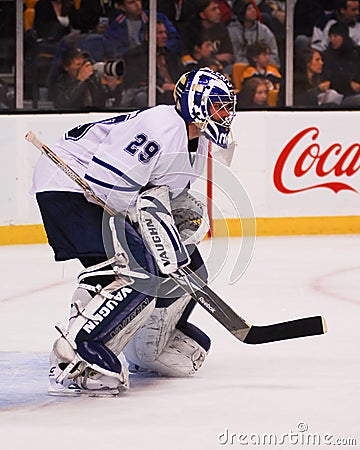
(78, 86)
(168, 69)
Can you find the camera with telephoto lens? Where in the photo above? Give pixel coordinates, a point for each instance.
(109, 68)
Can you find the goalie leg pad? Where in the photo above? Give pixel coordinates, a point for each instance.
(104, 326)
(161, 347)
(155, 332)
(101, 326)
(96, 334)
(181, 357)
(103, 319)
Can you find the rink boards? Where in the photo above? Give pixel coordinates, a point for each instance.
(291, 173)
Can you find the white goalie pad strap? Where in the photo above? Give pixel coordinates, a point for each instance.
(191, 217)
(159, 231)
(118, 264)
(110, 291)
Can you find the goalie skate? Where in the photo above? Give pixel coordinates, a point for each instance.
(84, 381)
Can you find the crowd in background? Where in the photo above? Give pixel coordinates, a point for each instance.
(245, 40)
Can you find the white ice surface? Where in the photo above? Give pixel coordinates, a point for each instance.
(248, 390)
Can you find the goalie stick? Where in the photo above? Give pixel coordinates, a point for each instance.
(199, 291)
(241, 329)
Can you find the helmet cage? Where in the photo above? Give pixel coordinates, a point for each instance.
(203, 100)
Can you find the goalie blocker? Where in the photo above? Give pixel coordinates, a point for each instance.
(168, 226)
(158, 230)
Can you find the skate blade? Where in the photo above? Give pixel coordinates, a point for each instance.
(78, 392)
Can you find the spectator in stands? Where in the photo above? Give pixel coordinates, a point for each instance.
(180, 12)
(207, 26)
(202, 55)
(135, 80)
(273, 8)
(306, 15)
(273, 14)
(254, 93)
(92, 12)
(78, 87)
(247, 29)
(93, 42)
(258, 55)
(346, 11)
(53, 19)
(310, 86)
(342, 64)
(226, 11)
(127, 30)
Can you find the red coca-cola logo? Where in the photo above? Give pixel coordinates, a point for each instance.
(332, 162)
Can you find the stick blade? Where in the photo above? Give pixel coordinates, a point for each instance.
(308, 326)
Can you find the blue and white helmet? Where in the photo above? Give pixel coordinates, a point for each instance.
(196, 93)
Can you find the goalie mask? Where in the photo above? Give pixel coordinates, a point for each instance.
(207, 99)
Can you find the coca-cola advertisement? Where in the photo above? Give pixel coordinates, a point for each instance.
(304, 155)
(299, 164)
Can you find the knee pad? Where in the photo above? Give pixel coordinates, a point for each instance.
(162, 348)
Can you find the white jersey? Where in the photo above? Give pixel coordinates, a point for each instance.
(121, 155)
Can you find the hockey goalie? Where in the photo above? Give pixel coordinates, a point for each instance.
(127, 313)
